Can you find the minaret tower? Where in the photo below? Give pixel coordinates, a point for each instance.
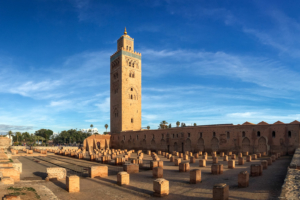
(125, 87)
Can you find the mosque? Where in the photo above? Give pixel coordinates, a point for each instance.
(126, 120)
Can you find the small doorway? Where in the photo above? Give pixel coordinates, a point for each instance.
(168, 148)
(182, 148)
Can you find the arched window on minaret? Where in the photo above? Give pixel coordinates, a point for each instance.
(127, 48)
(133, 65)
(131, 96)
(130, 74)
(133, 75)
(129, 64)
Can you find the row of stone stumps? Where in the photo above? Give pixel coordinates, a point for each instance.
(160, 185)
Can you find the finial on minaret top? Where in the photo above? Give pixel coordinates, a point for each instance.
(125, 32)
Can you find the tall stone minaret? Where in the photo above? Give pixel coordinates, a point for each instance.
(125, 87)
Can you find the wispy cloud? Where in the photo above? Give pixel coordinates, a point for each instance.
(262, 71)
(6, 128)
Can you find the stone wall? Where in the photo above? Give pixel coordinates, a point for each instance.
(55, 148)
(291, 186)
(271, 138)
(19, 147)
(56, 173)
(17, 165)
(4, 142)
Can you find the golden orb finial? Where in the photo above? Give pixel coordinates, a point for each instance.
(125, 32)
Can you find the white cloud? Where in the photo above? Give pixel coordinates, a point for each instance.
(59, 103)
(242, 115)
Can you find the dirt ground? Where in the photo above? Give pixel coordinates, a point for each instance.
(267, 186)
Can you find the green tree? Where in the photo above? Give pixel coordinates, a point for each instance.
(148, 127)
(177, 123)
(45, 133)
(163, 124)
(106, 126)
(195, 124)
(26, 136)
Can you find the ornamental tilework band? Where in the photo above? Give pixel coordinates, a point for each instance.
(126, 53)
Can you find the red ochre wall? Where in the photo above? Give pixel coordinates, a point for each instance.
(188, 138)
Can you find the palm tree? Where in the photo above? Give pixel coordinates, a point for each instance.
(148, 127)
(163, 124)
(91, 126)
(106, 126)
(177, 123)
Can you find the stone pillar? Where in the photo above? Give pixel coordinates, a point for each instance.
(269, 161)
(192, 159)
(153, 164)
(200, 153)
(215, 160)
(185, 157)
(256, 170)
(217, 169)
(264, 154)
(243, 179)
(195, 176)
(172, 159)
(101, 171)
(161, 187)
(258, 155)
(184, 167)
(222, 154)
(221, 191)
(231, 164)
(149, 152)
(181, 155)
(134, 161)
(233, 156)
(204, 157)
(123, 178)
(246, 153)
(196, 155)
(264, 163)
(158, 172)
(202, 163)
(273, 158)
(191, 154)
(214, 154)
(177, 161)
(140, 162)
(73, 183)
(240, 155)
(249, 158)
(254, 156)
(131, 168)
(158, 152)
(229, 153)
(241, 161)
(161, 164)
(225, 158)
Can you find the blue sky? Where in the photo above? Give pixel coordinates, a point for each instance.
(207, 62)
